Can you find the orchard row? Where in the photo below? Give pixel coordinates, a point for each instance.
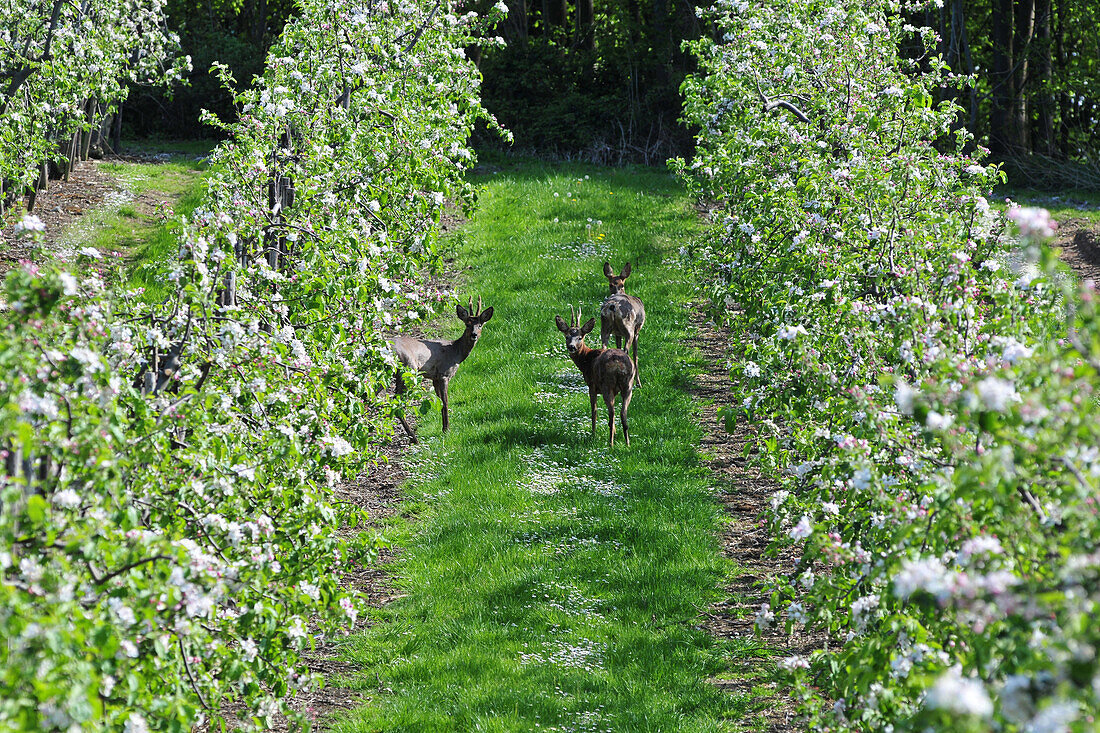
(169, 540)
(920, 374)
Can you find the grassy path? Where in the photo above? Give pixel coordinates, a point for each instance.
(553, 584)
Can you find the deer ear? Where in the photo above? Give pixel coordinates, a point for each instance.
(626, 271)
(486, 315)
(462, 313)
(561, 324)
(607, 272)
(588, 326)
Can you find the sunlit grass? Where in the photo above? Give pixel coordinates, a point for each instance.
(552, 583)
(139, 220)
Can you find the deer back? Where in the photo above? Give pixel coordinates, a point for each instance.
(623, 314)
(612, 371)
(434, 358)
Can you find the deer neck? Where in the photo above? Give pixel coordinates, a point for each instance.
(584, 358)
(463, 345)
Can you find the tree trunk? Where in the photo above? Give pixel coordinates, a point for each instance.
(557, 14)
(1062, 143)
(1043, 138)
(1001, 79)
(1025, 31)
(116, 132)
(585, 14)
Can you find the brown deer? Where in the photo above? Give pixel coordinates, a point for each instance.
(438, 359)
(622, 315)
(607, 372)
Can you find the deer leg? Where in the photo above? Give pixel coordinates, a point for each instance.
(441, 390)
(637, 374)
(609, 399)
(399, 389)
(592, 399)
(622, 416)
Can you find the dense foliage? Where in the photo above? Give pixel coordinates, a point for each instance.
(599, 80)
(64, 65)
(169, 543)
(236, 33)
(923, 384)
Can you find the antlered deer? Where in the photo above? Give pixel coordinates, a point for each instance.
(622, 315)
(607, 372)
(438, 359)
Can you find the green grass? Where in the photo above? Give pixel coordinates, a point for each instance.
(132, 222)
(1064, 206)
(176, 149)
(552, 583)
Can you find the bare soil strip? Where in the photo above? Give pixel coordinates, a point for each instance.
(1079, 240)
(60, 205)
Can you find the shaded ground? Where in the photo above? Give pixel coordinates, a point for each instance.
(1080, 243)
(745, 494)
(378, 491)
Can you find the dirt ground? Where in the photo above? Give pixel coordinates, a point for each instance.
(60, 205)
(1079, 240)
(745, 494)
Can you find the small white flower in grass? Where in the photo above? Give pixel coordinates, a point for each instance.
(92, 252)
(803, 529)
(995, 393)
(794, 662)
(960, 695)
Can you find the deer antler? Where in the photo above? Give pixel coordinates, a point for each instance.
(479, 305)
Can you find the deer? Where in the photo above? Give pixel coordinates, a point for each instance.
(438, 359)
(607, 372)
(622, 315)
